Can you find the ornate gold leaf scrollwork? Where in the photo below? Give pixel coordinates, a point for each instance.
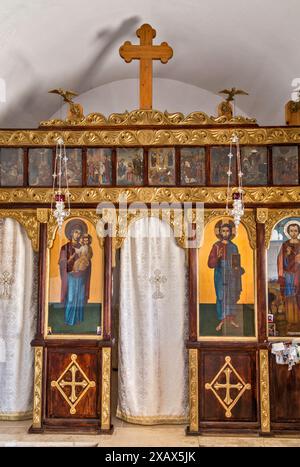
(37, 387)
(149, 117)
(264, 390)
(274, 216)
(105, 394)
(127, 136)
(193, 393)
(208, 195)
(248, 220)
(28, 219)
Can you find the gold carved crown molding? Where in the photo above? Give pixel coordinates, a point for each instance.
(149, 117)
(27, 218)
(274, 216)
(209, 195)
(128, 136)
(248, 221)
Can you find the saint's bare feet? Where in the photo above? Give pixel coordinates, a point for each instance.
(234, 324)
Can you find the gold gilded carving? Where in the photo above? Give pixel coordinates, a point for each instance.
(72, 397)
(208, 195)
(262, 215)
(292, 112)
(174, 134)
(225, 109)
(248, 220)
(42, 215)
(28, 220)
(150, 117)
(105, 391)
(193, 393)
(75, 112)
(173, 217)
(274, 216)
(228, 402)
(264, 391)
(37, 387)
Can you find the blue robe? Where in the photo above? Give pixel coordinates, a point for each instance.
(75, 300)
(227, 278)
(75, 286)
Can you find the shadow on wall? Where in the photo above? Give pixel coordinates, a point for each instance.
(34, 104)
(87, 79)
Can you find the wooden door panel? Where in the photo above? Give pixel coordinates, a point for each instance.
(72, 384)
(228, 386)
(284, 388)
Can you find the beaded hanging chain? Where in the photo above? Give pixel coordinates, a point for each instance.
(237, 210)
(60, 194)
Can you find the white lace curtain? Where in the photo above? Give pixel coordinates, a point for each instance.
(153, 326)
(18, 307)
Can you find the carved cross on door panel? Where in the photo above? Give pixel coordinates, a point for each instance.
(228, 386)
(240, 386)
(73, 384)
(146, 52)
(84, 384)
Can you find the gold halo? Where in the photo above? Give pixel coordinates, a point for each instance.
(75, 223)
(285, 228)
(219, 225)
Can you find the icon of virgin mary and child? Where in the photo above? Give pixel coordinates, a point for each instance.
(75, 271)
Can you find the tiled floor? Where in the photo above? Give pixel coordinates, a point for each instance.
(128, 435)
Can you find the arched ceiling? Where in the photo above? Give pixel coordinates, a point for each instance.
(74, 44)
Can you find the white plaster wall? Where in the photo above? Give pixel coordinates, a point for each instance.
(170, 95)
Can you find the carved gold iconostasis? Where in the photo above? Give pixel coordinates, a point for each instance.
(120, 158)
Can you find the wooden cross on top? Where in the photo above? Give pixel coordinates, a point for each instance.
(146, 52)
